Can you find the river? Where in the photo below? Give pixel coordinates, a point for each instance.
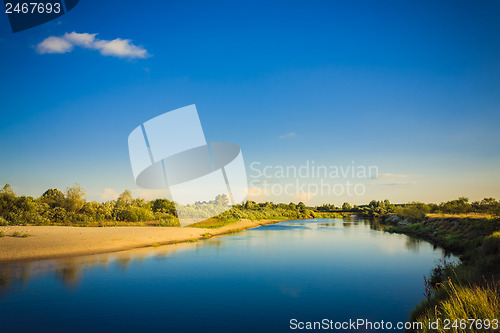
(253, 281)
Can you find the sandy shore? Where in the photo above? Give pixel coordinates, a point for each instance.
(56, 242)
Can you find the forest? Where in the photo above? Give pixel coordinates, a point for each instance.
(55, 207)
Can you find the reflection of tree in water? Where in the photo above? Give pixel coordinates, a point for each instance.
(327, 224)
(210, 243)
(123, 263)
(12, 274)
(6, 281)
(375, 224)
(69, 275)
(412, 244)
(70, 271)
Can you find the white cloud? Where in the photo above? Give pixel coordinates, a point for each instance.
(258, 194)
(83, 40)
(303, 196)
(288, 135)
(109, 194)
(54, 45)
(391, 176)
(151, 194)
(121, 48)
(401, 183)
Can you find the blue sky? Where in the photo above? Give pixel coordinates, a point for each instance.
(411, 87)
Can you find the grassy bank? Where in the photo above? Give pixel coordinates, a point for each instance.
(468, 290)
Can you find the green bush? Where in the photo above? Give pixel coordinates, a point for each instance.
(3, 222)
(169, 223)
(491, 244)
(459, 302)
(412, 211)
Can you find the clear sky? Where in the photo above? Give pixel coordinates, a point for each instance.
(411, 87)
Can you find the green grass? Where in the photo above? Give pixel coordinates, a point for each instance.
(491, 244)
(169, 223)
(214, 223)
(2, 234)
(458, 302)
(19, 234)
(466, 290)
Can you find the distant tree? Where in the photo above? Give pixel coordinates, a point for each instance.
(7, 200)
(222, 200)
(75, 198)
(346, 206)
(250, 204)
(7, 189)
(125, 199)
(163, 206)
(53, 197)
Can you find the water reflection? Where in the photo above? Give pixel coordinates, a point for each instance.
(71, 271)
(263, 276)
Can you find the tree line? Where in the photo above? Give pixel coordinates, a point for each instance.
(55, 207)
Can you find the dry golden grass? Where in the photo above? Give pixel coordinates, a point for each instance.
(461, 304)
(468, 215)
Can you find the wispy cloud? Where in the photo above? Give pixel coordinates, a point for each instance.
(258, 194)
(387, 176)
(303, 196)
(121, 48)
(109, 194)
(54, 45)
(151, 194)
(400, 183)
(288, 135)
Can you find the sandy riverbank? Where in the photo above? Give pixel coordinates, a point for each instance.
(47, 242)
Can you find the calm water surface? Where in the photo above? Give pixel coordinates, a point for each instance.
(253, 281)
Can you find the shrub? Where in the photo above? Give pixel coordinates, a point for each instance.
(169, 223)
(491, 244)
(3, 221)
(461, 302)
(412, 211)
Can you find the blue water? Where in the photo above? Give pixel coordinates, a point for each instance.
(253, 281)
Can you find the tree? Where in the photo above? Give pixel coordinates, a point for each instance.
(75, 198)
(53, 197)
(125, 199)
(250, 204)
(7, 189)
(7, 200)
(346, 206)
(221, 200)
(163, 206)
